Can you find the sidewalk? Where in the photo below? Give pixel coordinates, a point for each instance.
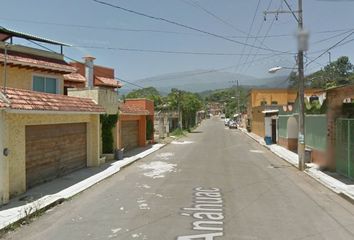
(58, 190)
(333, 181)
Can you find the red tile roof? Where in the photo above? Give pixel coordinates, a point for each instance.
(109, 82)
(74, 77)
(29, 100)
(3, 104)
(27, 60)
(132, 110)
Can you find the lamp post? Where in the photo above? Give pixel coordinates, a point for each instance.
(302, 46)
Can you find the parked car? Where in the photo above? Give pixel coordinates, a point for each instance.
(226, 121)
(233, 124)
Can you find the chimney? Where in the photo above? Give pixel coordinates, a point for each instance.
(89, 71)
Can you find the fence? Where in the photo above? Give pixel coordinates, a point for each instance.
(283, 126)
(345, 147)
(316, 131)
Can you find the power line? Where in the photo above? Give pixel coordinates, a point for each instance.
(197, 5)
(167, 51)
(160, 31)
(72, 59)
(250, 31)
(98, 27)
(260, 29)
(180, 25)
(333, 46)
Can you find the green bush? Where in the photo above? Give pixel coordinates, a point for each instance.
(149, 128)
(108, 123)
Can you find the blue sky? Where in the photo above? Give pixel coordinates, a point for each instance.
(110, 30)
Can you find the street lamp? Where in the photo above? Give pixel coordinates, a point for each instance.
(277, 68)
(302, 37)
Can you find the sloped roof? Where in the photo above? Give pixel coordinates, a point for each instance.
(6, 33)
(36, 101)
(74, 77)
(27, 60)
(109, 82)
(132, 110)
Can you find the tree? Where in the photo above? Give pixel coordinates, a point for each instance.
(187, 104)
(339, 72)
(149, 93)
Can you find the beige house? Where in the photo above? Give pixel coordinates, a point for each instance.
(43, 133)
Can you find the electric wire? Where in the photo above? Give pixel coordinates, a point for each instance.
(249, 32)
(168, 51)
(74, 60)
(331, 47)
(180, 25)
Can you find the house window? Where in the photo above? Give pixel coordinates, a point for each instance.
(45, 84)
(274, 103)
(263, 103)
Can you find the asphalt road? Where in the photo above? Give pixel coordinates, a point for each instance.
(234, 189)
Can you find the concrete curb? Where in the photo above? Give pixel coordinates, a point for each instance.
(16, 214)
(329, 182)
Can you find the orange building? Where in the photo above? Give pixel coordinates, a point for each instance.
(265, 101)
(135, 116)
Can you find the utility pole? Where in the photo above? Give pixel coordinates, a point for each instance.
(301, 137)
(238, 98)
(302, 46)
(179, 94)
(329, 57)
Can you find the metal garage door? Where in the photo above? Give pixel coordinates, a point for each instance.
(54, 150)
(130, 134)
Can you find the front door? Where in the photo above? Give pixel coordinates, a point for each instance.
(274, 130)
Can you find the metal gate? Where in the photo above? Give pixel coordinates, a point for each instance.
(345, 147)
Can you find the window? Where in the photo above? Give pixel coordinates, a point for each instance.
(263, 103)
(274, 103)
(45, 84)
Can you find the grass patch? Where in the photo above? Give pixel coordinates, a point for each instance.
(178, 133)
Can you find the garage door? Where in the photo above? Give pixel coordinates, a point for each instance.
(130, 133)
(54, 150)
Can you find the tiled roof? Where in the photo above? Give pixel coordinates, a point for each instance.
(37, 62)
(29, 100)
(74, 77)
(3, 104)
(109, 82)
(132, 110)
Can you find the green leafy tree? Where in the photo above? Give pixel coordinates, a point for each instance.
(187, 103)
(148, 93)
(339, 72)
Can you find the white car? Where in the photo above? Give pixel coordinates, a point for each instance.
(226, 121)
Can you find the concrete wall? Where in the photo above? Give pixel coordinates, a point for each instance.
(335, 99)
(4, 162)
(22, 78)
(104, 97)
(16, 123)
(257, 121)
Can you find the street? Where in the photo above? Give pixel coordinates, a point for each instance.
(216, 183)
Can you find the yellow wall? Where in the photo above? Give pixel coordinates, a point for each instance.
(22, 78)
(4, 167)
(16, 142)
(257, 126)
(282, 96)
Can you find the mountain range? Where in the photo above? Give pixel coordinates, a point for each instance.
(203, 80)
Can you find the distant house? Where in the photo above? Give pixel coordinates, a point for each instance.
(43, 133)
(166, 121)
(136, 123)
(263, 107)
